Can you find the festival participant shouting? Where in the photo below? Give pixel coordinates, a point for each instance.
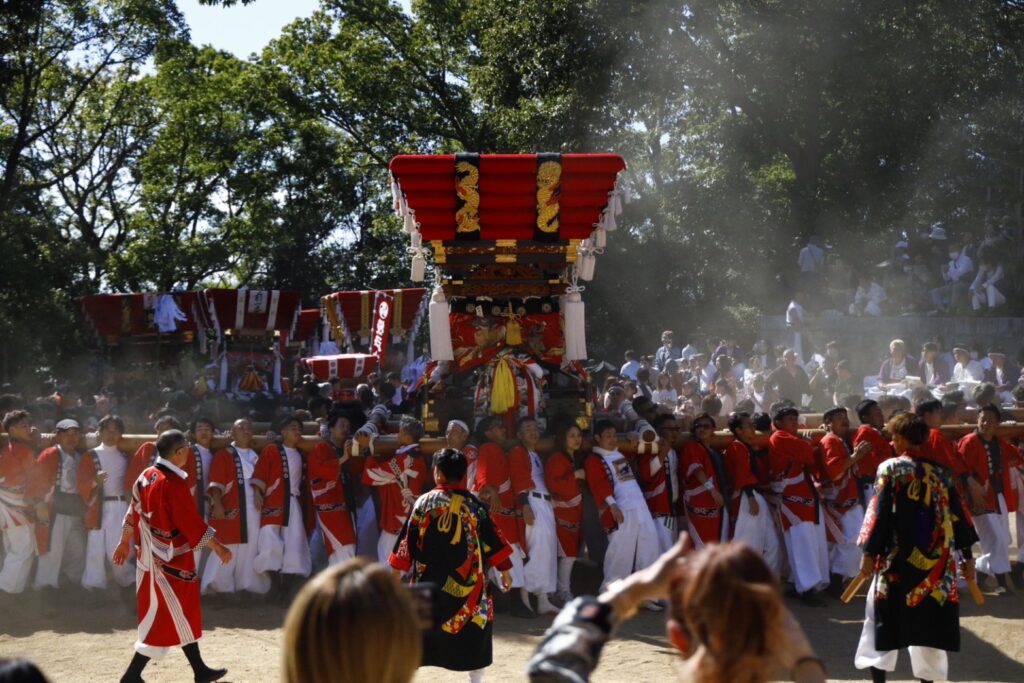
(495, 487)
(632, 538)
(234, 516)
(60, 534)
(910, 544)
(450, 541)
(526, 469)
(281, 495)
(564, 476)
(749, 476)
(166, 528)
(397, 479)
(992, 487)
(16, 463)
(101, 483)
(333, 474)
(658, 477)
(791, 462)
(704, 484)
(844, 514)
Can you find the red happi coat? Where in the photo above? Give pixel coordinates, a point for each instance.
(328, 480)
(703, 513)
(194, 469)
(791, 461)
(492, 470)
(226, 476)
(16, 463)
(740, 470)
(881, 450)
(653, 478)
(471, 453)
(273, 478)
(941, 451)
(44, 478)
(144, 457)
(167, 529)
(567, 494)
(839, 486)
(391, 477)
(975, 457)
(91, 490)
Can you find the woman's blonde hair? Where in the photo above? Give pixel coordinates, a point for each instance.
(352, 623)
(732, 607)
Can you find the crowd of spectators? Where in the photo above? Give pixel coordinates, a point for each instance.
(932, 270)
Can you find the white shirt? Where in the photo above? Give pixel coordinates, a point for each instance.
(629, 369)
(294, 469)
(248, 457)
(537, 473)
(626, 494)
(68, 471)
(667, 397)
(929, 373)
(959, 267)
(794, 313)
(114, 463)
(972, 373)
(207, 459)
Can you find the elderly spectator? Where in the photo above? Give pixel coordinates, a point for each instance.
(759, 394)
(898, 365)
(868, 298)
(984, 294)
(966, 369)
(1003, 374)
(956, 277)
(933, 369)
(666, 351)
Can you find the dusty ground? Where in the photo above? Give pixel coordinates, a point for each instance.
(94, 645)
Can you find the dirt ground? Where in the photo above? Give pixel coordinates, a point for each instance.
(74, 643)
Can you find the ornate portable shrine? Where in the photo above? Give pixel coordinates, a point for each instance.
(510, 237)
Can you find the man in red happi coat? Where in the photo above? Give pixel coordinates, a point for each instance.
(333, 473)
(166, 529)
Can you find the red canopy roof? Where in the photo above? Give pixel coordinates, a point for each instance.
(507, 193)
(130, 315)
(252, 309)
(356, 309)
(309, 320)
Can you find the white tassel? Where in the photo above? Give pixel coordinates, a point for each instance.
(396, 194)
(600, 238)
(586, 262)
(417, 240)
(419, 267)
(648, 438)
(409, 223)
(616, 204)
(575, 325)
(440, 327)
(609, 220)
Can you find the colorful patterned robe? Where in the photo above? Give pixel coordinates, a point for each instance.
(914, 525)
(449, 540)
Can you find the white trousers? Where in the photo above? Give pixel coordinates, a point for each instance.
(342, 554)
(67, 551)
(844, 557)
(807, 550)
(994, 533)
(667, 532)
(634, 545)
(758, 531)
(240, 573)
(541, 572)
(284, 549)
(927, 663)
(990, 297)
(100, 546)
(19, 549)
(517, 572)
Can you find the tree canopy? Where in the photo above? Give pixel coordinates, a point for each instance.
(134, 159)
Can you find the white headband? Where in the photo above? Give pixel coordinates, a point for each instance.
(457, 423)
